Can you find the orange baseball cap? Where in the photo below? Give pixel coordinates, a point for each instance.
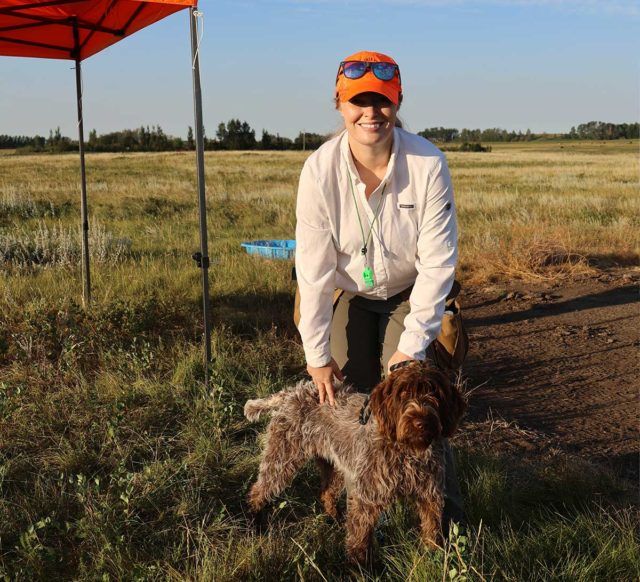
(348, 88)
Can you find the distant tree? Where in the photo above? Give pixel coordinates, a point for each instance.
(54, 137)
(16, 141)
(236, 135)
(144, 138)
(312, 141)
(439, 134)
(93, 140)
(283, 143)
(594, 130)
(467, 135)
(222, 135)
(267, 140)
(191, 145)
(57, 142)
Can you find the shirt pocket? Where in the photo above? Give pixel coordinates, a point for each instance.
(404, 230)
(349, 240)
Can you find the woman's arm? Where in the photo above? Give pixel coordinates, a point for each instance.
(316, 261)
(435, 263)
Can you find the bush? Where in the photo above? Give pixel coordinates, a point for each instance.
(473, 147)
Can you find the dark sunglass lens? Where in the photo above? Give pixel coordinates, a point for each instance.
(354, 69)
(384, 71)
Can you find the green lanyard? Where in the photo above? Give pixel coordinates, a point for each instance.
(367, 273)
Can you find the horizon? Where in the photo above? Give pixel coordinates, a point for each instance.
(209, 136)
(541, 65)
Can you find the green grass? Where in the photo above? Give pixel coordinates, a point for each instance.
(115, 463)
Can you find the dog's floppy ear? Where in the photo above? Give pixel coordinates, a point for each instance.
(451, 409)
(383, 407)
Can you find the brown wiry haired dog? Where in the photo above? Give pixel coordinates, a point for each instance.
(397, 453)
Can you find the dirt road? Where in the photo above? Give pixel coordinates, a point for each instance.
(560, 364)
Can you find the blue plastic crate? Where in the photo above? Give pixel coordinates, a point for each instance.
(271, 249)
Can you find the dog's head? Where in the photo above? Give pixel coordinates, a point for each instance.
(415, 405)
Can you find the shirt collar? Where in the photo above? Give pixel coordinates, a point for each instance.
(351, 166)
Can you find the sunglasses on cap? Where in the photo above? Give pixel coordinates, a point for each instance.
(357, 69)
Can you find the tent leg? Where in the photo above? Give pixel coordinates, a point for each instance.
(86, 274)
(203, 261)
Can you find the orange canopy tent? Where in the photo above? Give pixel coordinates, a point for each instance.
(77, 29)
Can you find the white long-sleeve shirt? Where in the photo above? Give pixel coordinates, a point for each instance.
(414, 240)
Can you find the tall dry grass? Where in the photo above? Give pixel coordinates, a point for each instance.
(545, 213)
(528, 211)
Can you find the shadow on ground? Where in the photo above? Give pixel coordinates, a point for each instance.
(617, 296)
(248, 314)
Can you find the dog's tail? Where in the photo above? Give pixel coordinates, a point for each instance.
(254, 408)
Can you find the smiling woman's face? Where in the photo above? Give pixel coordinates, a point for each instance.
(369, 118)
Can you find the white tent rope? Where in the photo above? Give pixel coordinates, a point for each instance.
(199, 17)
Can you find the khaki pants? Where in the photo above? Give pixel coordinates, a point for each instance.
(364, 335)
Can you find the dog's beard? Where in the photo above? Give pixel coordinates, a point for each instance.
(418, 426)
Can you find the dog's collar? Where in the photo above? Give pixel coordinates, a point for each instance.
(403, 364)
(365, 411)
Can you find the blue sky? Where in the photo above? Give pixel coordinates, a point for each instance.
(539, 64)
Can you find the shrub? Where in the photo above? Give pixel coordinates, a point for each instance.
(473, 147)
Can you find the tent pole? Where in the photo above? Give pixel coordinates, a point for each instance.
(203, 257)
(86, 275)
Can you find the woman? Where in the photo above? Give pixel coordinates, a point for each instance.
(376, 219)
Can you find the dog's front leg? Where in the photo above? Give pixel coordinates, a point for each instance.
(361, 520)
(430, 512)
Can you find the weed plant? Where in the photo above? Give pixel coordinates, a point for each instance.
(115, 464)
(57, 245)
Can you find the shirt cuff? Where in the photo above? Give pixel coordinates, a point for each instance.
(414, 345)
(317, 358)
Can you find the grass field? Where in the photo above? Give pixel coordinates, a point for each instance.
(115, 463)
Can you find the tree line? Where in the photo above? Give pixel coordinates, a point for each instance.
(233, 135)
(238, 135)
(596, 130)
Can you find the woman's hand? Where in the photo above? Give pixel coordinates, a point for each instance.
(323, 379)
(396, 359)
